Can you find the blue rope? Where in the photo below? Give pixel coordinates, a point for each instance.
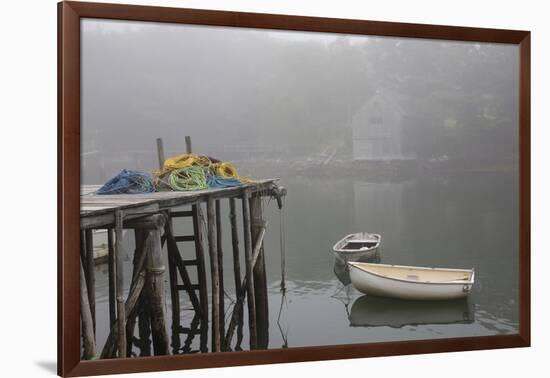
(215, 182)
(128, 182)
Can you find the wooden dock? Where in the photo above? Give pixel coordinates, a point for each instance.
(150, 216)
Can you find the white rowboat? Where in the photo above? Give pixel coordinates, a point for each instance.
(354, 247)
(410, 282)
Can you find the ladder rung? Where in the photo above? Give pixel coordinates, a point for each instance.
(184, 287)
(185, 238)
(179, 214)
(188, 330)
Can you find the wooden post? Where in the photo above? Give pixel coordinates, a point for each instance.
(155, 288)
(87, 322)
(83, 250)
(235, 319)
(121, 314)
(249, 266)
(220, 270)
(112, 270)
(236, 265)
(90, 272)
(160, 152)
(174, 295)
(109, 349)
(201, 272)
(188, 147)
(134, 296)
(260, 280)
(142, 307)
(214, 271)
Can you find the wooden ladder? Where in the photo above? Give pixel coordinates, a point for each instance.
(179, 262)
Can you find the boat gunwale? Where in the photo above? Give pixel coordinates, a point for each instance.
(341, 250)
(355, 264)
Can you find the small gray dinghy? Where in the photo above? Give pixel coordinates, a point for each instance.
(358, 246)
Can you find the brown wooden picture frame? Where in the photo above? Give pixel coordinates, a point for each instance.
(69, 15)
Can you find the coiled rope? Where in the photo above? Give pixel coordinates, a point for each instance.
(227, 170)
(186, 160)
(215, 182)
(128, 182)
(186, 172)
(188, 178)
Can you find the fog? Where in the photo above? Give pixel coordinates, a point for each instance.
(416, 140)
(282, 96)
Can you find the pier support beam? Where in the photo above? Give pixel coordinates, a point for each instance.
(251, 299)
(201, 270)
(236, 269)
(214, 271)
(155, 286)
(112, 267)
(260, 279)
(220, 270)
(121, 313)
(90, 272)
(88, 336)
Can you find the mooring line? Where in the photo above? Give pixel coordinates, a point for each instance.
(282, 243)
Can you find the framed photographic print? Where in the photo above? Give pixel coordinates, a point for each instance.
(240, 188)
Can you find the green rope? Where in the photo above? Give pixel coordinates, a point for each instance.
(188, 178)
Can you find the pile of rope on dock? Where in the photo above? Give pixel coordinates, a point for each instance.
(186, 172)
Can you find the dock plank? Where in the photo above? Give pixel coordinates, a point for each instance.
(102, 207)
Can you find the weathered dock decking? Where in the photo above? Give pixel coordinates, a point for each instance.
(98, 210)
(150, 217)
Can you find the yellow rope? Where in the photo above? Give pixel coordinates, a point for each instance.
(222, 169)
(228, 170)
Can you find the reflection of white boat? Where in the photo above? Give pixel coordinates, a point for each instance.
(409, 282)
(371, 311)
(354, 247)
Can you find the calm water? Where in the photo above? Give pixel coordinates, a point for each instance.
(459, 221)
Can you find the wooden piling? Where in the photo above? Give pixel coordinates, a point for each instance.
(236, 266)
(160, 152)
(235, 319)
(214, 271)
(220, 270)
(260, 279)
(188, 147)
(142, 307)
(249, 270)
(88, 335)
(174, 295)
(155, 288)
(90, 272)
(121, 313)
(112, 269)
(83, 250)
(132, 305)
(201, 272)
(136, 288)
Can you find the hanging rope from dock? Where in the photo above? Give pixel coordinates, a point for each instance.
(282, 243)
(188, 178)
(128, 182)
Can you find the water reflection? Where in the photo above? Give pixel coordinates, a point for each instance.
(371, 311)
(457, 222)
